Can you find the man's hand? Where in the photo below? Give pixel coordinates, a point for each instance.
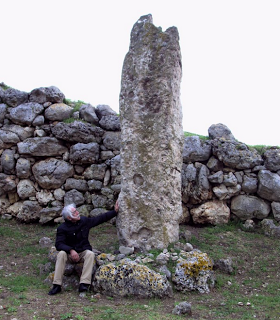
(74, 255)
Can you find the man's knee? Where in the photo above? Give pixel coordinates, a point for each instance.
(62, 255)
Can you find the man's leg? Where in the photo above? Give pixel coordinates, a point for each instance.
(59, 267)
(89, 259)
(58, 273)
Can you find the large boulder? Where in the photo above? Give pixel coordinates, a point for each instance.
(214, 212)
(13, 97)
(52, 173)
(248, 207)
(272, 159)
(87, 113)
(29, 212)
(25, 113)
(235, 154)
(58, 112)
(195, 149)
(41, 147)
(269, 185)
(220, 131)
(77, 132)
(130, 279)
(46, 94)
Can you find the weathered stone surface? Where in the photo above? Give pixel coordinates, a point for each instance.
(104, 110)
(112, 140)
(110, 123)
(195, 149)
(77, 132)
(272, 159)
(276, 210)
(23, 168)
(49, 214)
(269, 185)
(22, 132)
(216, 178)
(8, 139)
(74, 196)
(58, 112)
(87, 113)
(78, 184)
(183, 308)
(41, 147)
(25, 113)
(248, 207)
(250, 183)
(7, 183)
(194, 271)
(152, 134)
(52, 173)
(44, 197)
(270, 229)
(3, 110)
(224, 193)
(84, 153)
(220, 131)
(235, 154)
(14, 97)
(38, 121)
(195, 184)
(130, 279)
(29, 212)
(214, 164)
(96, 172)
(44, 94)
(214, 212)
(8, 161)
(26, 189)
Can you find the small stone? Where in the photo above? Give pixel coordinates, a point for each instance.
(240, 303)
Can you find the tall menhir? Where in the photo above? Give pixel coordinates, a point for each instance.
(152, 138)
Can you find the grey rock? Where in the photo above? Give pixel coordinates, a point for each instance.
(44, 197)
(78, 184)
(195, 149)
(214, 164)
(272, 159)
(276, 210)
(269, 185)
(220, 131)
(74, 196)
(14, 97)
(104, 110)
(8, 161)
(235, 154)
(45, 242)
(216, 178)
(77, 132)
(112, 140)
(25, 113)
(30, 212)
(84, 153)
(46, 94)
(7, 184)
(26, 189)
(247, 207)
(38, 121)
(41, 147)
(99, 201)
(52, 173)
(183, 308)
(229, 180)
(95, 172)
(22, 132)
(250, 183)
(224, 265)
(58, 112)
(87, 113)
(94, 185)
(49, 214)
(270, 229)
(126, 250)
(111, 122)
(3, 111)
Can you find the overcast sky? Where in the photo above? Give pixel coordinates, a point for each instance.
(230, 52)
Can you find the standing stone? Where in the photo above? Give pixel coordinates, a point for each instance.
(152, 138)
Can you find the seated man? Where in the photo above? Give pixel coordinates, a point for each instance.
(73, 244)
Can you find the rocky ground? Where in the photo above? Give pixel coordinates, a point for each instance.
(252, 291)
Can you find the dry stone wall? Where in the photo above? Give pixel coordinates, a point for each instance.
(47, 163)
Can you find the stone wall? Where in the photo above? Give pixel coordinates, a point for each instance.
(47, 162)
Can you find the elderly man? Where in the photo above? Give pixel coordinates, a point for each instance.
(73, 244)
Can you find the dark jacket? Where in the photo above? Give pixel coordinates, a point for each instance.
(75, 235)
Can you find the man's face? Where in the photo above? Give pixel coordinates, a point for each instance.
(75, 215)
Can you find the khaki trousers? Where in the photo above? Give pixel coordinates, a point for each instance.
(87, 256)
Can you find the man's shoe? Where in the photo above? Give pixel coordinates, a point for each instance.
(83, 287)
(55, 289)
